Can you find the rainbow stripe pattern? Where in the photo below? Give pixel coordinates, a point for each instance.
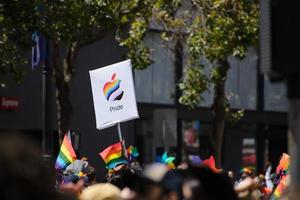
(66, 154)
(282, 170)
(113, 155)
(111, 90)
(279, 189)
(167, 160)
(132, 153)
(284, 164)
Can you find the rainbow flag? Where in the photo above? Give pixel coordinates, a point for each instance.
(279, 189)
(284, 163)
(113, 155)
(132, 153)
(66, 154)
(210, 163)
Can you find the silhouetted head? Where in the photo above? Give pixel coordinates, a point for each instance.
(23, 174)
(206, 184)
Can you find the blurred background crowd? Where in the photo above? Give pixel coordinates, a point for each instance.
(24, 175)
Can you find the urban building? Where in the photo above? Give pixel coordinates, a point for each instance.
(164, 125)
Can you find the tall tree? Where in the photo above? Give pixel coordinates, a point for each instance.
(15, 37)
(70, 25)
(214, 30)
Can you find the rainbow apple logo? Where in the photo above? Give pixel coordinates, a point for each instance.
(111, 89)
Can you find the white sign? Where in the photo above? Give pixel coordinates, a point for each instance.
(113, 94)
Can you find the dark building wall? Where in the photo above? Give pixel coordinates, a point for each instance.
(232, 151)
(29, 93)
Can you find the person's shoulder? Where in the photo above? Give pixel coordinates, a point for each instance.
(76, 161)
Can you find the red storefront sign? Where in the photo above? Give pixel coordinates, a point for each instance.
(9, 103)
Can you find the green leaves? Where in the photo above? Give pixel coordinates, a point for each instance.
(228, 29)
(14, 30)
(139, 54)
(212, 29)
(193, 85)
(216, 30)
(70, 21)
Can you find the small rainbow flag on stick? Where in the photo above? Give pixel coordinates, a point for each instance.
(279, 189)
(113, 155)
(66, 154)
(132, 153)
(210, 163)
(284, 164)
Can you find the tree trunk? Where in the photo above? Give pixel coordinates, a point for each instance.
(218, 109)
(63, 72)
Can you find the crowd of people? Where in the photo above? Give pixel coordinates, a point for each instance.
(25, 176)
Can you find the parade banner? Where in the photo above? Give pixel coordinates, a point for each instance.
(113, 94)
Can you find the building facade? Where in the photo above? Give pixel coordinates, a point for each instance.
(257, 139)
(164, 125)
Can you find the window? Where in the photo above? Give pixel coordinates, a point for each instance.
(275, 96)
(156, 83)
(241, 81)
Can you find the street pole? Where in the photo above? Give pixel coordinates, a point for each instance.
(122, 140)
(47, 131)
(178, 76)
(164, 135)
(260, 135)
